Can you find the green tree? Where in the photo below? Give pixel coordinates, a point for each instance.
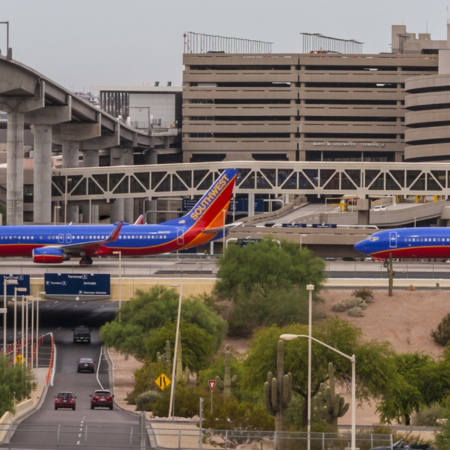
(196, 344)
(16, 383)
(373, 359)
(266, 283)
(442, 436)
(268, 266)
(418, 381)
(153, 309)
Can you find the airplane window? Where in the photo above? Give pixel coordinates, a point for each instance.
(414, 239)
(434, 239)
(132, 237)
(439, 239)
(140, 237)
(153, 237)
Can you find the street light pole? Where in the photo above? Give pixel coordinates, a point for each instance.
(120, 282)
(223, 232)
(289, 337)
(37, 328)
(16, 289)
(310, 288)
(6, 281)
(172, 391)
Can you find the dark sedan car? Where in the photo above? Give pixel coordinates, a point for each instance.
(65, 400)
(400, 444)
(86, 365)
(102, 398)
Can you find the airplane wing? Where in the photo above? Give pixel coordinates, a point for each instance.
(220, 229)
(139, 220)
(90, 247)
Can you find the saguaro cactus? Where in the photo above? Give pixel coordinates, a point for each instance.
(327, 404)
(225, 385)
(278, 393)
(165, 357)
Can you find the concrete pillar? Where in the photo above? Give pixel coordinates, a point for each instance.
(42, 193)
(116, 208)
(14, 160)
(151, 157)
(251, 204)
(91, 158)
(70, 158)
(128, 204)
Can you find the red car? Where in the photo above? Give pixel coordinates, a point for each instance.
(65, 400)
(102, 398)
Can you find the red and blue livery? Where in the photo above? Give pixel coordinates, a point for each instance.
(407, 243)
(53, 244)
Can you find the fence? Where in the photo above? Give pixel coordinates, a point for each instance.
(178, 436)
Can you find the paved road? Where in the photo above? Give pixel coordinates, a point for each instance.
(203, 267)
(99, 427)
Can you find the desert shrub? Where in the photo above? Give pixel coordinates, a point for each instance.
(187, 400)
(356, 311)
(428, 415)
(442, 333)
(144, 379)
(349, 303)
(364, 293)
(145, 401)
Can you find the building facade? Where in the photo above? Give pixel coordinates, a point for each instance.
(318, 106)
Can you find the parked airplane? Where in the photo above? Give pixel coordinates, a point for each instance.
(407, 243)
(57, 243)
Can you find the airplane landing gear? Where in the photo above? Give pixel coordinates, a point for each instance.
(86, 261)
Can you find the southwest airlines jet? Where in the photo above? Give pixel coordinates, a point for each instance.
(407, 243)
(57, 243)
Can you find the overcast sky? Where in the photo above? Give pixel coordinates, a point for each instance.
(80, 43)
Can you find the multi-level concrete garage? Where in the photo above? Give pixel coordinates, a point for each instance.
(428, 115)
(316, 106)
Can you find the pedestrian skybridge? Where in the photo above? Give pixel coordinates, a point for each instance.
(256, 177)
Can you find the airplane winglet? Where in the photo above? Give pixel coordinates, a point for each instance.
(114, 234)
(139, 220)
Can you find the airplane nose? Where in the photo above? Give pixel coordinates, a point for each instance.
(361, 247)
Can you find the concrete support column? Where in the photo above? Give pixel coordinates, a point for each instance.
(70, 158)
(151, 157)
(14, 160)
(128, 204)
(116, 208)
(251, 204)
(42, 194)
(91, 158)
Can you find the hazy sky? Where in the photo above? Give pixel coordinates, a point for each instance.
(80, 43)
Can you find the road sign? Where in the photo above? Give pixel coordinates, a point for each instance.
(212, 384)
(162, 381)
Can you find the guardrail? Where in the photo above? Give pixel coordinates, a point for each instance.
(50, 366)
(179, 435)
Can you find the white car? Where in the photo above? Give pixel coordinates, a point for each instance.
(380, 208)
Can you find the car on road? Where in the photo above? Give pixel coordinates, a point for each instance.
(380, 208)
(86, 365)
(82, 334)
(400, 444)
(102, 398)
(65, 400)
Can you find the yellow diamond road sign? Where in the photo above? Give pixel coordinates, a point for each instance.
(162, 381)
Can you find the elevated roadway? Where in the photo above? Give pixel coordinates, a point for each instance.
(58, 118)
